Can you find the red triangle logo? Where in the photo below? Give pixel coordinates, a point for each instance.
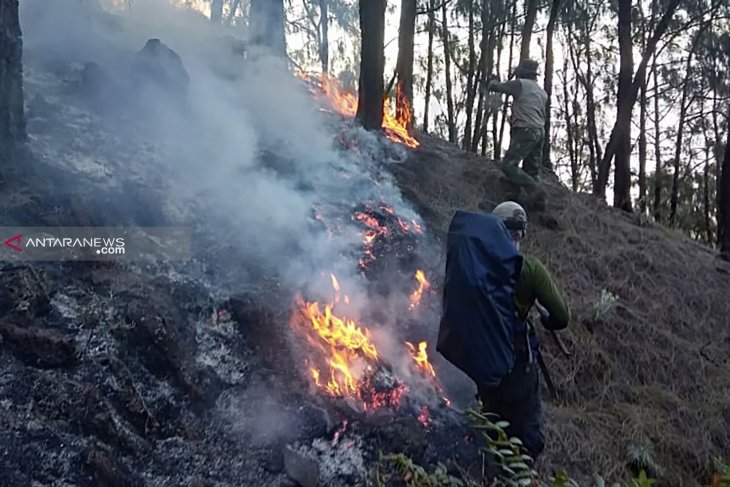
(16, 238)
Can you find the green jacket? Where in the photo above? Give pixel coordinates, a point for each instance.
(537, 284)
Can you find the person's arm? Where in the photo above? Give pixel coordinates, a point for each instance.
(549, 296)
(513, 87)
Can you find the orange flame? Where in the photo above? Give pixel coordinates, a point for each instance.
(396, 129)
(420, 357)
(423, 284)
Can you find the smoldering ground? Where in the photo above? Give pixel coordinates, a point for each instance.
(244, 157)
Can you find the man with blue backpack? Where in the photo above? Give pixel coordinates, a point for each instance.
(489, 289)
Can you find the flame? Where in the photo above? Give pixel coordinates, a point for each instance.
(396, 128)
(349, 359)
(423, 284)
(420, 357)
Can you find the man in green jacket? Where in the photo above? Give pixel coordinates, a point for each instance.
(527, 130)
(517, 399)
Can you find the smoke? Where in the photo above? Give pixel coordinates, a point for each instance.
(245, 158)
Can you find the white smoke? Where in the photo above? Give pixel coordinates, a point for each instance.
(246, 159)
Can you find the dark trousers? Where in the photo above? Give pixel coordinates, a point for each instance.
(517, 400)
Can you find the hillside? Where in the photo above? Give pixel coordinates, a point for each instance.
(650, 374)
(296, 345)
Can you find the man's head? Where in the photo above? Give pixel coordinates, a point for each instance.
(527, 69)
(514, 218)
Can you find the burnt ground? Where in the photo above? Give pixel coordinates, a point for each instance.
(112, 375)
(649, 378)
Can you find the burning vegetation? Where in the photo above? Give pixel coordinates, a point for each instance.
(344, 361)
(329, 89)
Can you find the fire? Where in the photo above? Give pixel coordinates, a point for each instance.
(350, 362)
(396, 128)
(423, 284)
(420, 357)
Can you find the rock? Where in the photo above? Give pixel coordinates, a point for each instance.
(159, 67)
(40, 347)
(301, 467)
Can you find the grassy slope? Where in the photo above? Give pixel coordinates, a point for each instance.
(651, 373)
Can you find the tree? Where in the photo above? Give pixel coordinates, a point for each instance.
(554, 9)
(683, 107)
(372, 63)
(723, 229)
(324, 41)
(266, 24)
(431, 27)
(12, 118)
(216, 11)
(622, 175)
(450, 117)
(404, 64)
(530, 15)
(617, 140)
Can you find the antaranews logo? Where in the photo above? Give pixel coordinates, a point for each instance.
(102, 245)
(16, 245)
(96, 243)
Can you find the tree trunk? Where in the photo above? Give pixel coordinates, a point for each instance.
(723, 188)
(232, 12)
(324, 29)
(451, 122)
(549, 61)
(657, 149)
(569, 127)
(404, 65)
(642, 148)
(372, 64)
(594, 144)
(530, 15)
(622, 173)
(471, 81)
(429, 62)
(617, 137)
(216, 11)
(12, 119)
(490, 17)
(495, 112)
(498, 146)
(706, 195)
(266, 24)
(683, 107)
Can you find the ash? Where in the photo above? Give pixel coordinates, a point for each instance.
(339, 463)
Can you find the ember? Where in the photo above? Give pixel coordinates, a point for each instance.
(424, 417)
(329, 88)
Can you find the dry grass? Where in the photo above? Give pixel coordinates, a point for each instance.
(650, 373)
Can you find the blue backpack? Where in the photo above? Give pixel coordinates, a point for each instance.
(480, 325)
